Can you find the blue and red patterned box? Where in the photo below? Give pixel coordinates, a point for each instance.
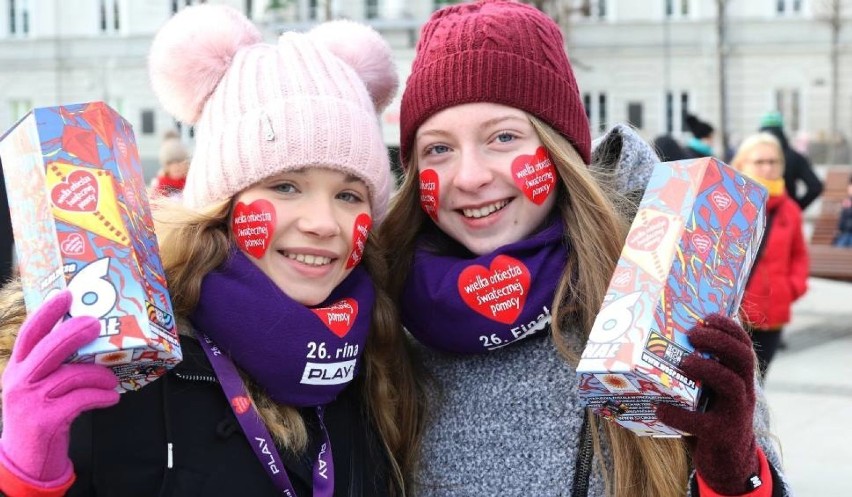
(688, 254)
(81, 220)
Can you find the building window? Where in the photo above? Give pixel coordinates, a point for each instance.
(788, 7)
(109, 16)
(601, 8)
(147, 122)
(788, 103)
(675, 110)
(249, 9)
(669, 113)
(372, 9)
(596, 110)
(18, 108)
(677, 8)
(594, 9)
(187, 134)
(19, 17)
(178, 4)
(313, 10)
(634, 114)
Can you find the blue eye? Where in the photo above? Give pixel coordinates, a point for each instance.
(285, 188)
(350, 197)
(436, 149)
(505, 137)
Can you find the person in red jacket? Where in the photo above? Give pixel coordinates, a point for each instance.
(780, 271)
(174, 166)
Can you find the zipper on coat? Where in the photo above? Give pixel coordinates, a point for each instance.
(583, 465)
(196, 377)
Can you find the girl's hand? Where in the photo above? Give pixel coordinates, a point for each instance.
(724, 450)
(42, 395)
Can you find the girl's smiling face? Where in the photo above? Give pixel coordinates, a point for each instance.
(486, 179)
(311, 218)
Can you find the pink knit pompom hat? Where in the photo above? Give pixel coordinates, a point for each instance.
(260, 109)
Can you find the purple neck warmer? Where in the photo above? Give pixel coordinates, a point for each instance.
(300, 356)
(470, 306)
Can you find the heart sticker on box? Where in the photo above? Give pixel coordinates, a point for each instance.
(78, 192)
(701, 242)
(648, 235)
(72, 244)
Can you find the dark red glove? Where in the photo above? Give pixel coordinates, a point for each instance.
(724, 450)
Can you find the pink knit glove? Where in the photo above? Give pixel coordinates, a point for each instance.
(42, 396)
(724, 450)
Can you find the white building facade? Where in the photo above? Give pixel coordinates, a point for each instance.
(642, 61)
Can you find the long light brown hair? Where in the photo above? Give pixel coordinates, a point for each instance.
(193, 243)
(595, 231)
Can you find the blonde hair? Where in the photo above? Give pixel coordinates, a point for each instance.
(749, 144)
(193, 243)
(641, 465)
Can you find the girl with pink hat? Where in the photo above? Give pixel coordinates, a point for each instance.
(294, 380)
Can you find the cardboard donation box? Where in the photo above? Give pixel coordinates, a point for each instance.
(687, 255)
(81, 220)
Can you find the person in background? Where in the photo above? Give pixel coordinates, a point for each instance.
(505, 243)
(174, 166)
(306, 388)
(701, 142)
(668, 148)
(797, 168)
(844, 224)
(779, 275)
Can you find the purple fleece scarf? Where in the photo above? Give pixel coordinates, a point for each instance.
(470, 306)
(301, 356)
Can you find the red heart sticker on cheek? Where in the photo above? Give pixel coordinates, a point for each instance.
(429, 192)
(498, 292)
(339, 316)
(535, 175)
(363, 223)
(253, 225)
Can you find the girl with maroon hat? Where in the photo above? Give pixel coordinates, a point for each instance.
(506, 242)
(294, 379)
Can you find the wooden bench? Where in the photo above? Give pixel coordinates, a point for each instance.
(827, 261)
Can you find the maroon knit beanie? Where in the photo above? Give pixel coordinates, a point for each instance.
(495, 51)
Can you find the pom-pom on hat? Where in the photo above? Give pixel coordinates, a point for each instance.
(260, 109)
(697, 127)
(496, 51)
(772, 119)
